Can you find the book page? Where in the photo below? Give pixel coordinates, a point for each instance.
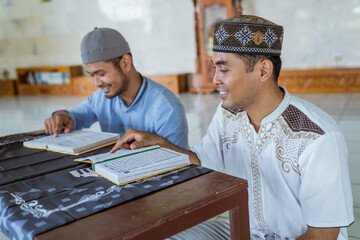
(78, 139)
(106, 156)
(143, 161)
(72, 141)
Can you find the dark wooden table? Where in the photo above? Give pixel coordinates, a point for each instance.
(167, 212)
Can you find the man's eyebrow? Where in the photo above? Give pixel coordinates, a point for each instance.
(220, 62)
(95, 72)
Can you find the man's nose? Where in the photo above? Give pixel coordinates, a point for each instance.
(216, 78)
(97, 81)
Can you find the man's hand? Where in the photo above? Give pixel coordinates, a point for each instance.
(134, 139)
(55, 123)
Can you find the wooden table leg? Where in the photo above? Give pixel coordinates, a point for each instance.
(239, 216)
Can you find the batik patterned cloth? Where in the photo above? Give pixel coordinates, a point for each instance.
(296, 167)
(41, 190)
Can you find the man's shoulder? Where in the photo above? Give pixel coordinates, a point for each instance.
(151, 84)
(159, 92)
(309, 116)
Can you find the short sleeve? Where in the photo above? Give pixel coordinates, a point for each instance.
(325, 192)
(83, 114)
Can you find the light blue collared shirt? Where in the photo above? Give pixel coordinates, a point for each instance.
(155, 109)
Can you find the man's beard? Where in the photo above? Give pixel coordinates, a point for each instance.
(124, 86)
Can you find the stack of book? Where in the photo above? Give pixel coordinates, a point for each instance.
(52, 77)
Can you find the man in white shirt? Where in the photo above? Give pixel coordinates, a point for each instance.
(292, 153)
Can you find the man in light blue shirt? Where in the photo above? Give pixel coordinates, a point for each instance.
(125, 99)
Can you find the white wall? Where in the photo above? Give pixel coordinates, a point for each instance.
(317, 33)
(160, 32)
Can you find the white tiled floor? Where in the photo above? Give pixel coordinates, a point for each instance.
(21, 114)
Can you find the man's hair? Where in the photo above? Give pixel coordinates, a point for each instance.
(251, 60)
(115, 62)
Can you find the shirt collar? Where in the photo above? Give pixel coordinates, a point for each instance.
(274, 114)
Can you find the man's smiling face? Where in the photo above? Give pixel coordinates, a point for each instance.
(237, 87)
(108, 78)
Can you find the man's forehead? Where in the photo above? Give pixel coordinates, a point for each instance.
(222, 58)
(96, 66)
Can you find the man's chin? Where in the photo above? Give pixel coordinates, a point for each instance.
(230, 105)
(112, 94)
(226, 104)
(109, 95)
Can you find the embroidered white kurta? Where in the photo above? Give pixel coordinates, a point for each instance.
(296, 167)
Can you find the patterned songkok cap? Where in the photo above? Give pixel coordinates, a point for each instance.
(248, 34)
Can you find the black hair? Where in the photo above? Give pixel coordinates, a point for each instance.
(116, 61)
(251, 60)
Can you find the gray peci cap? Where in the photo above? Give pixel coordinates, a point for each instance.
(103, 44)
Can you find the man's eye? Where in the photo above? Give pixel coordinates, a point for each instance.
(224, 71)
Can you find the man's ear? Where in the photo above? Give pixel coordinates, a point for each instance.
(266, 69)
(126, 62)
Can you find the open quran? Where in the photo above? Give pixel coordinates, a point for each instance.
(125, 166)
(76, 142)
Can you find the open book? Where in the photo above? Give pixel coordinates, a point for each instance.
(126, 166)
(75, 142)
